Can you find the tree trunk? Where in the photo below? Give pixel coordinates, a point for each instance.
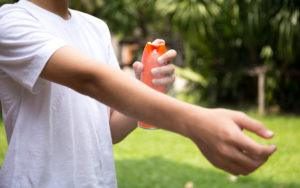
(261, 93)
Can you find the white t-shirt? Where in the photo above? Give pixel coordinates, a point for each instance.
(57, 137)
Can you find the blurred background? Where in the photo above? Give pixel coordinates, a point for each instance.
(242, 54)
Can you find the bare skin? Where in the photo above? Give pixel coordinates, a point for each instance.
(217, 132)
(59, 7)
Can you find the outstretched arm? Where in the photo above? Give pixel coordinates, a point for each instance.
(217, 132)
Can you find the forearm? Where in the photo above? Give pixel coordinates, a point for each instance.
(134, 99)
(120, 126)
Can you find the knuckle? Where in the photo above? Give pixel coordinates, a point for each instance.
(242, 115)
(160, 81)
(156, 72)
(229, 136)
(260, 153)
(169, 67)
(221, 110)
(223, 150)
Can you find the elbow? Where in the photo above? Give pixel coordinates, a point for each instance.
(117, 138)
(116, 141)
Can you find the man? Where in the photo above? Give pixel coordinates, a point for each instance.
(63, 96)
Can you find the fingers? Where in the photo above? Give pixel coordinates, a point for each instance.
(253, 149)
(234, 162)
(167, 57)
(220, 159)
(164, 75)
(237, 161)
(252, 125)
(224, 164)
(138, 68)
(164, 81)
(246, 144)
(244, 163)
(166, 70)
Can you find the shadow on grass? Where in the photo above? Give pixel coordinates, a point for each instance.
(157, 172)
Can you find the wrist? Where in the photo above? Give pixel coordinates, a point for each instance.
(182, 118)
(195, 116)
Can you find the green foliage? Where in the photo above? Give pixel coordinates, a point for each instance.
(222, 41)
(128, 18)
(226, 38)
(7, 1)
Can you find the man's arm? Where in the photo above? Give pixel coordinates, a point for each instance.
(217, 132)
(120, 125)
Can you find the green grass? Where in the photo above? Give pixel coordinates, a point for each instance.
(3, 143)
(158, 159)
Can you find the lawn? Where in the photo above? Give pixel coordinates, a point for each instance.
(158, 159)
(3, 144)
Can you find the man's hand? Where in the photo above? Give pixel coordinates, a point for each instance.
(223, 143)
(163, 75)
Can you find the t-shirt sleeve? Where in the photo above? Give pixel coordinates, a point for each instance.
(25, 48)
(112, 59)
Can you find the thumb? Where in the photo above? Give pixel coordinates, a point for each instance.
(138, 68)
(245, 122)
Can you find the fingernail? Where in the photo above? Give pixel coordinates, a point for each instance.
(160, 60)
(269, 133)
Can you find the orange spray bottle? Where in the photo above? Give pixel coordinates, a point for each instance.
(149, 59)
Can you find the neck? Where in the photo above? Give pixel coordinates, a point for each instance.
(59, 7)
